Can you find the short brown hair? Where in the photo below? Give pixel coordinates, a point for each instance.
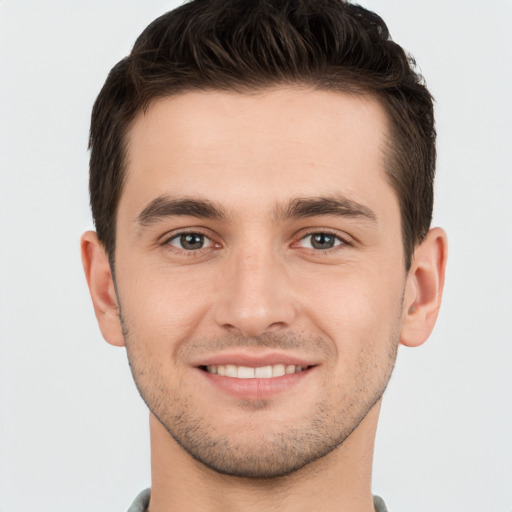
(248, 45)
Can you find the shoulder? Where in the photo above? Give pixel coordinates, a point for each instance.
(141, 501)
(379, 504)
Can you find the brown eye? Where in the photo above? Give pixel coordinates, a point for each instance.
(190, 241)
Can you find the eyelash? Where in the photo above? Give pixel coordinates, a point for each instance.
(341, 241)
(175, 236)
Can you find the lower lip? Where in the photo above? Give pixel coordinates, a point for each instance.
(256, 389)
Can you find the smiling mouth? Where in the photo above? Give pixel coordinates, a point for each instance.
(260, 372)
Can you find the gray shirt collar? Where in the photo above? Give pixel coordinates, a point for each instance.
(142, 501)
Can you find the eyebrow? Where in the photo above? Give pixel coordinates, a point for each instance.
(165, 206)
(300, 207)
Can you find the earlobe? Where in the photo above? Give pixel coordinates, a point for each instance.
(424, 289)
(101, 287)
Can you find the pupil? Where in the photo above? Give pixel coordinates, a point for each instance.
(192, 241)
(322, 241)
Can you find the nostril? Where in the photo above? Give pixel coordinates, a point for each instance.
(276, 326)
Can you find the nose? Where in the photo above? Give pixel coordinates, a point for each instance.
(255, 295)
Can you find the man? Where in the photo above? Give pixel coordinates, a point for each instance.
(261, 184)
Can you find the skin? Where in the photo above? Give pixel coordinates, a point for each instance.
(251, 168)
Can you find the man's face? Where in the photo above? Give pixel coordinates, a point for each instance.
(260, 272)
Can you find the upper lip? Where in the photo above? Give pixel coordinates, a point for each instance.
(254, 360)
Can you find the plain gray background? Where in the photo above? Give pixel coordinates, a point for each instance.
(73, 430)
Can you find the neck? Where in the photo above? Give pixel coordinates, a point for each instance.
(338, 482)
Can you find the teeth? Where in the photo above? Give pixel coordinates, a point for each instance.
(231, 370)
(278, 370)
(245, 373)
(261, 372)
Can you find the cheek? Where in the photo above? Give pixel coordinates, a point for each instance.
(160, 304)
(360, 311)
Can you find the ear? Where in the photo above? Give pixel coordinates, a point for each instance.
(424, 288)
(101, 286)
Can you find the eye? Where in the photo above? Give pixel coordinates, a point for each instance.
(320, 241)
(190, 241)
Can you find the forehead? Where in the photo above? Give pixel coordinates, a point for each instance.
(259, 147)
